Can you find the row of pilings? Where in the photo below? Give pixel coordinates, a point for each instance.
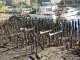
(37, 34)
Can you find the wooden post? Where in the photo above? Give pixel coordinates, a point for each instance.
(71, 41)
(54, 34)
(42, 34)
(26, 31)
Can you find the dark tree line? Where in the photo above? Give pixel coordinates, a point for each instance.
(69, 1)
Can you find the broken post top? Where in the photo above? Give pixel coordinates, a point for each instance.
(25, 29)
(51, 34)
(43, 32)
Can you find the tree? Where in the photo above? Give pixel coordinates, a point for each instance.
(16, 5)
(39, 1)
(70, 1)
(62, 2)
(2, 4)
(21, 5)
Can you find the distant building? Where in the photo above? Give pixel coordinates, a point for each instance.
(10, 2)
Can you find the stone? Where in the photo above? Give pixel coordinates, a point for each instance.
(32, 57)
(38, 56)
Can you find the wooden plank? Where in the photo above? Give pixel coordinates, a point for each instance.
(27, 29)
(43, 32)
(21, 29)
(51, 34)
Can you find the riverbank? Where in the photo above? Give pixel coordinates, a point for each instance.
(52, 53)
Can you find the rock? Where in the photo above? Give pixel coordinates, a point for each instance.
(44, 58)
(16, 56)
(3, 50)
(32, 57)
(38, 56)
